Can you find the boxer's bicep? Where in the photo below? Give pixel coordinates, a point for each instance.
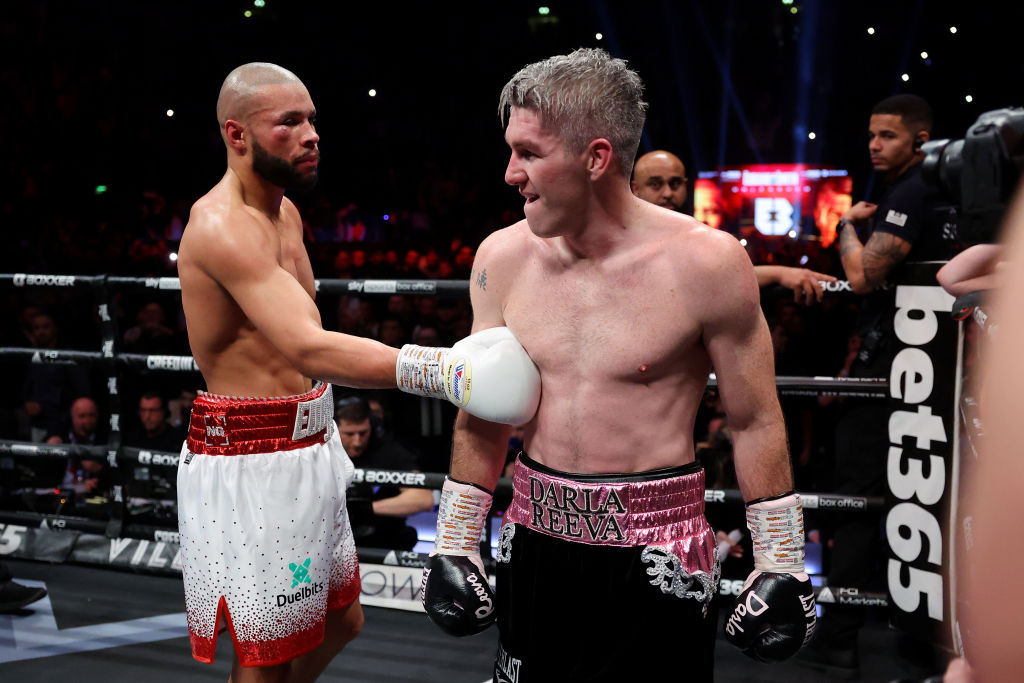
(243, 260)
(739, 345)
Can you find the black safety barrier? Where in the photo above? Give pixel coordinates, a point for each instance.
(133, 361)
(417, 480)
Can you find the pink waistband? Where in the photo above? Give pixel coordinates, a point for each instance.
(646, 508)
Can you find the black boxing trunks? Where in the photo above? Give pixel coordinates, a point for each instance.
(601, 576)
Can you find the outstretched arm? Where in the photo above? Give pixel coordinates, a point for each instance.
(806, 284)
(240, 254)
(479, 447)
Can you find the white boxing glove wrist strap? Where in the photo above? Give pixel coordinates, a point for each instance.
(420, 370)
(461, 518)
(777, 531)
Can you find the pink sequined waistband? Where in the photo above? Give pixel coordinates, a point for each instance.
(646, 508)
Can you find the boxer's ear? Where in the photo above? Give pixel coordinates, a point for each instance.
(600, 157)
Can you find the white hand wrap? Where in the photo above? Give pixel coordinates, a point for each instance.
(420, 370)
(461, 519)
(777, 531)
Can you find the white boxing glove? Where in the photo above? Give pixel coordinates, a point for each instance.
(488, 374)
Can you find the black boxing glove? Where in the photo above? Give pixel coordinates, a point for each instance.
(455, 592)
(774, 615)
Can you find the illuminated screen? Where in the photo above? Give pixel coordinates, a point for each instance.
(777, 200)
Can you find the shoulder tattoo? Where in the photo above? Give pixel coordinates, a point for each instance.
(481, 279)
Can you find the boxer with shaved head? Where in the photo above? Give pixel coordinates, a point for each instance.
(266, 543)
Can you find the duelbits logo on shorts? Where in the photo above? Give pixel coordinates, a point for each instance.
(300, 575)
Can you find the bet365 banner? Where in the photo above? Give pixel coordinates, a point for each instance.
(921, 463)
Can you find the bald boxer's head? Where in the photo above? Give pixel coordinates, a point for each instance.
(659, 177)
(265, 110)
(581, 97)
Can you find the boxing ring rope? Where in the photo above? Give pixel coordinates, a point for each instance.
(117, 456)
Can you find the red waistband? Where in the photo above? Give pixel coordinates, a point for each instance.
(232, 425)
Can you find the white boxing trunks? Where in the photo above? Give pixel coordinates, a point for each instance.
(265, 536)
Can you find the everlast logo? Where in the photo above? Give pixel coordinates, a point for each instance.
(23, 280)
(301, 594)
(591, 513)
(508, 666)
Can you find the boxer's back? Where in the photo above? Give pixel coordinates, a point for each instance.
(234, 357)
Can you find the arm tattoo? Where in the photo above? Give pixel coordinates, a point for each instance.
(881, 254)
(847, 241)
(481, 279)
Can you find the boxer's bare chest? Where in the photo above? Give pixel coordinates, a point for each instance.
(605, 319)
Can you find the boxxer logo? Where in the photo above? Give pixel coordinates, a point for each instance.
(837, 286)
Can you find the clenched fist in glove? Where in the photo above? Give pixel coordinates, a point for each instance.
(455, 592)
(488, 374)
(774, 615)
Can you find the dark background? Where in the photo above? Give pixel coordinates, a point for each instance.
(86, 86)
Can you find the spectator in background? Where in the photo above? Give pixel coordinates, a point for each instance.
(49, 389)
(150, 334)
(155, 432)
(180, 409)
(25, 318)
(707, 203)
(659, 177)
(875, 240)
(84, 475)
(447, 314)
(832, 201)
(343, 265)
(83, 423)
(378, 512)
(392, 331)
(426, 335)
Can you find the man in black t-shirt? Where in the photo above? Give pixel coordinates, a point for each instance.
(378, 511)
(875, 241)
